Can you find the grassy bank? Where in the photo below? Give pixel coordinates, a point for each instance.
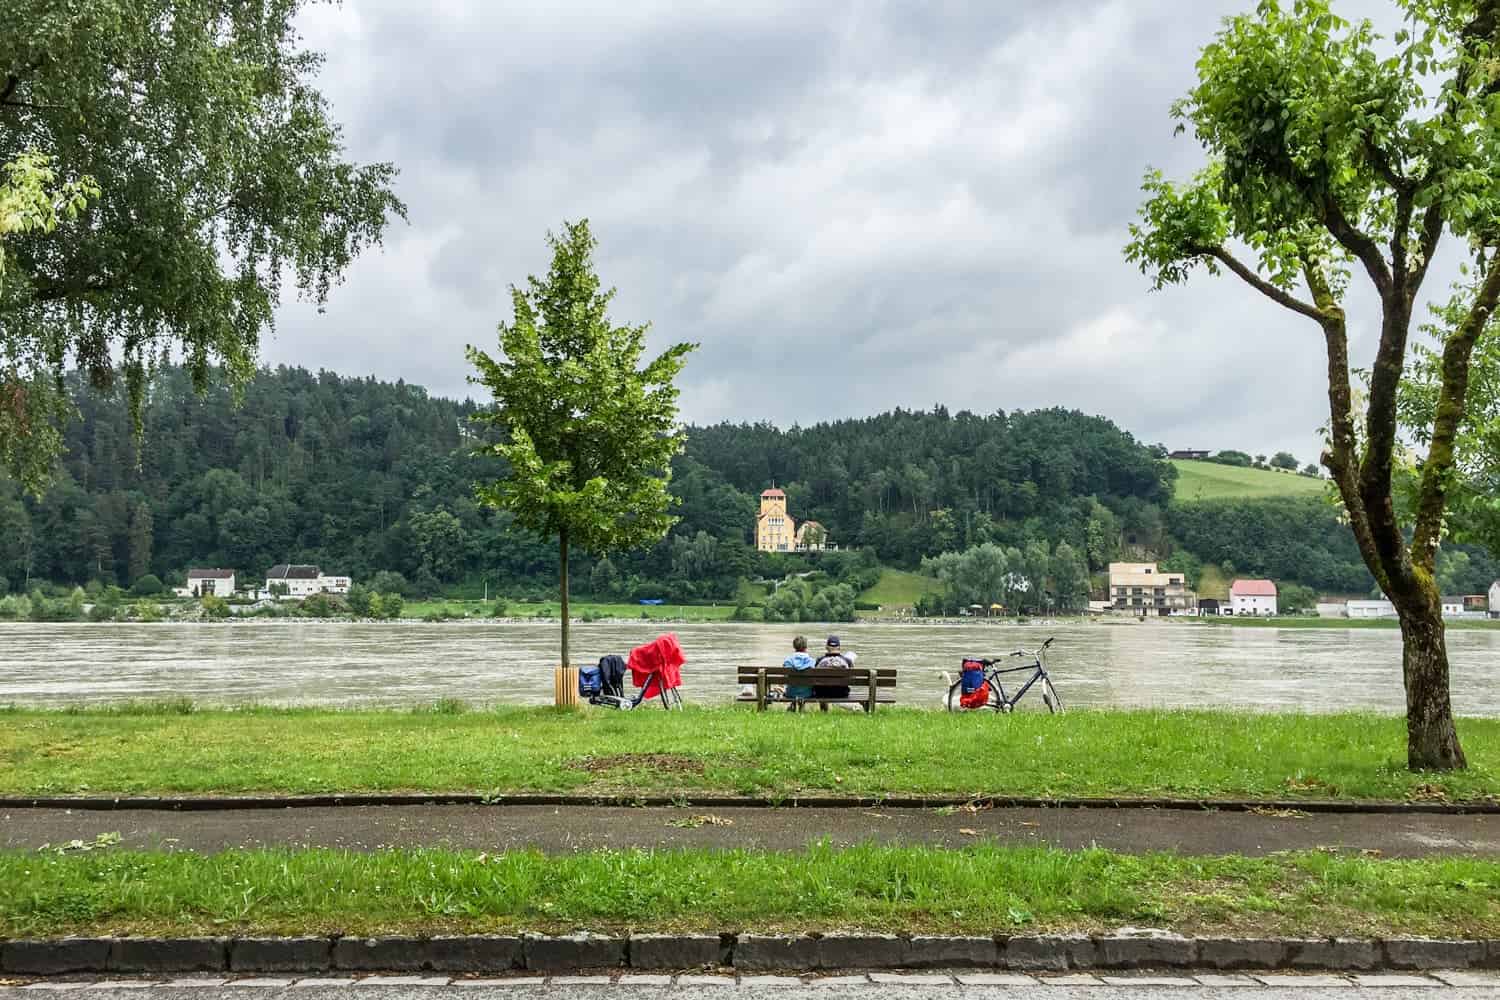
(1184, 754)
(1451, 624)
(576, 609)
(980, 889)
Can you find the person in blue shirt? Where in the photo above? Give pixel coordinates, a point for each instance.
(799, 660)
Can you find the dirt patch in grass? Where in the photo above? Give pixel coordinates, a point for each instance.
(663, 762)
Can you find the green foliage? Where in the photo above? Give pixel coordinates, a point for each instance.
(499, 608)
(321, 605)
(218, 170)
(146, 610)
(1284, 460)
(589, 435)
(389, 582)
(391, 605)
(214, 606)
(146, 586)
(358, 599)
(1294, 598)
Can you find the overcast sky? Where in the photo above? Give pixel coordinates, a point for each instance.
(851, 206)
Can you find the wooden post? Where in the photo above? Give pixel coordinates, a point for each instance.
(760, 690)
(565, 687)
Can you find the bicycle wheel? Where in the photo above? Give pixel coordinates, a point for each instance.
(1050, 697)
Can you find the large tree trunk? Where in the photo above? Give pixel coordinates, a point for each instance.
(1431, 740)
(562, 546)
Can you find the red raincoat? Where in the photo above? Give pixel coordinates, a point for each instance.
(659, 660)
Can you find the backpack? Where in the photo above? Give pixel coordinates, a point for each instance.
(590, 682)
(972, 678)
(612, 675)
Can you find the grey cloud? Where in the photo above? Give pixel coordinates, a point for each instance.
(851, 206)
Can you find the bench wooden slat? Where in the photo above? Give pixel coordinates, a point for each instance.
(876, 682)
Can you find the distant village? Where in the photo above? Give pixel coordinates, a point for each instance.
(1138, 589)
(284, 581)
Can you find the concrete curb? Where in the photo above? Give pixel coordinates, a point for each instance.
(1126, 949)
(167, 803)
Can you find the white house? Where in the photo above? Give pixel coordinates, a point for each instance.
(1372, 609)
(303, 581)
(1495, 599)
(1252, 597)
(1453, 607)
(205, 582)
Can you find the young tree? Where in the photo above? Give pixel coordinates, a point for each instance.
(218, 173)
(1327, 156)
(1284, 460)
(589, 436)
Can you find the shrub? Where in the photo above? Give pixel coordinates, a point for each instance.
(215, 607)
(318, 606)
(147, 611)
(388, 581)
(498, 609)
(147, 586)
(359, 599)
(392, 605)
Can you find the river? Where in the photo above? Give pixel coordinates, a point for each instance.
(1092, 663)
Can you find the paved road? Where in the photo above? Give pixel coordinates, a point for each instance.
(565, 830)
(924, 987)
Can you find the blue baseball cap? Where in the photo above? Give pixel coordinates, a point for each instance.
(833, 642)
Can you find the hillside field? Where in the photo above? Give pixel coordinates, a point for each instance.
(899, 589)
(1211, 481)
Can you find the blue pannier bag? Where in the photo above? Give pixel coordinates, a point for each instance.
(972, 677)
(590, 682)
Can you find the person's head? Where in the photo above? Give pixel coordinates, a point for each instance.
(833, 644)
(800, 644)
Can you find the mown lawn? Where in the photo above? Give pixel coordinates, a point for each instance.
(1186, 754)
(1211, 481)
(982, 889)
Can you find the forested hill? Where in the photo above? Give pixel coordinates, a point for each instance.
(363, 476)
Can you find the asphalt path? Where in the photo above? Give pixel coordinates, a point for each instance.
(566, 829)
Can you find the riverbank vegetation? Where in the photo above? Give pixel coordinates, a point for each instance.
(179, 748)
(982, 889)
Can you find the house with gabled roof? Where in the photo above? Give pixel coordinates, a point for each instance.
(292, 580)
(1252, 597)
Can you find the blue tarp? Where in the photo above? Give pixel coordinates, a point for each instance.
(656, 600)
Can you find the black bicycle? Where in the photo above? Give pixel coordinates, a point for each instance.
(982, 683)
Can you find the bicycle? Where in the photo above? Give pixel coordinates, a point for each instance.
(995, 698)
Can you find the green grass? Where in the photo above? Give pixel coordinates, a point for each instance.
(577, 609)
(1213, 583)
(1211, 481)
(980, 889)
(898, 589)
(1187, 754)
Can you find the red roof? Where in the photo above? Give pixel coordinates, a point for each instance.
(773, 492)
(1252, 588)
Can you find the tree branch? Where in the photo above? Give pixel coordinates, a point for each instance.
(1278, 295)
(1432, 231)
(1458, 351)
(1356, 242)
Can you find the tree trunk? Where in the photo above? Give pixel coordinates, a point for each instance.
(562, 546)
(1431, 740)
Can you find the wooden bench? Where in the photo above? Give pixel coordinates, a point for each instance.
(867, 686)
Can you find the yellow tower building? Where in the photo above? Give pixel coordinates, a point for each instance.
(774, 530)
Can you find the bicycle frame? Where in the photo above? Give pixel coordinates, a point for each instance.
(992, 675)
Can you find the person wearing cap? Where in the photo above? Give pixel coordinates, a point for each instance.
(834, 658)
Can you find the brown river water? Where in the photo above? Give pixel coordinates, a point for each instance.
(1092, 663)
